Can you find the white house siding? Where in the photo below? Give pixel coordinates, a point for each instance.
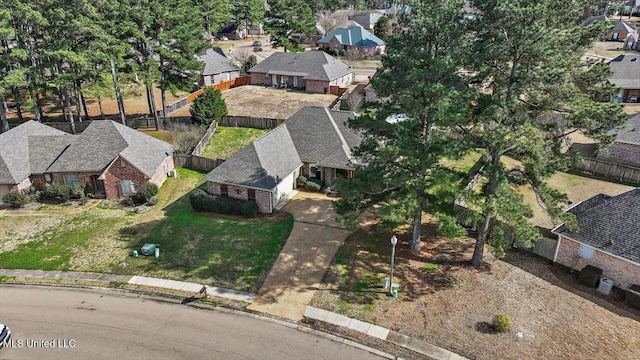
(284, 189)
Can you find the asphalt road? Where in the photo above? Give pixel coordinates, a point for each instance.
(105, 325)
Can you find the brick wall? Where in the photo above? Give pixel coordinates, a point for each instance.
(260, 79)
(623, 273)
(627, 93)
(238, 192)
(121, 170)
(317, 86)
(218, 78)
(213, 188)
(263, 199)
(38, 181)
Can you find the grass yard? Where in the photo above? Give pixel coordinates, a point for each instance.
(227, 141)
(446, 302)
(215, 250)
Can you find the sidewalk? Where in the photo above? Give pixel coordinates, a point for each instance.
(419, 346)
(134, 280)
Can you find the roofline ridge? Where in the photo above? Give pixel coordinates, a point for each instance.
(345, 146)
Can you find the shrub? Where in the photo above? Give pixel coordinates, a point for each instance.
(312, 186)
(301, 181)
(16, 199)
(145, 192)
(61, 192)
(316, 181)
(128, 201)
(201, 201)
(249, 209)
(501, 323)
(153, 201)
(590, 276)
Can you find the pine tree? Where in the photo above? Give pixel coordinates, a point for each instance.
(288, 17)
(208, 107)
(399, 160)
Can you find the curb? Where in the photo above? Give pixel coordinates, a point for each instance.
(407, 342)
(168, 298)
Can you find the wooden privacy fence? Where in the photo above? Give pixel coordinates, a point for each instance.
(204, 140)
(135, 123)
(226, 85)
(607, 169)
(337, 90)
(196, 162)
(249, 122)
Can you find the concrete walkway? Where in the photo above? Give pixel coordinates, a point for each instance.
(419, 346)
(134, 280)
(297, 273)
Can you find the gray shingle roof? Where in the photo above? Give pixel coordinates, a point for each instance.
(214, 63)
(322, 136)
(44, 150)
(611, 224)
(594, 19)
(14, 150)
(311, 65)
(103, 141)
(261, 164)
(626, 71)
(367, 20)
(626, 148)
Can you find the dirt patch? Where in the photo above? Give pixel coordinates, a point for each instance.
(16, 230)
(444, 301)
(266, 102)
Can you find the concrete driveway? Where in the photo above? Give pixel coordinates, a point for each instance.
(298, 271)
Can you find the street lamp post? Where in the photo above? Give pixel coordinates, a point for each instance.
(394, 241)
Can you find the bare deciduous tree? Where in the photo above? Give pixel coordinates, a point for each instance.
(354, 54)
(242, 54)
(330, 20)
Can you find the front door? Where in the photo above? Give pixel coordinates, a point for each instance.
(295, 82)
(99, 186)
(274, 80)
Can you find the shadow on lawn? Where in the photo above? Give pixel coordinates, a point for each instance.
(566, 279)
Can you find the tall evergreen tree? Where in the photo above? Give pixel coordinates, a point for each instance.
(399, 159)
(216, 13)
(248, 13)
(525, 70)
(288, 17)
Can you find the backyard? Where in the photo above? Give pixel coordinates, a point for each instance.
(266, 102)
(444, 301)
(217, 250)
(227, 141)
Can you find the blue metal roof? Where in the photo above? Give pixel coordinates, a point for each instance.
(355, 36)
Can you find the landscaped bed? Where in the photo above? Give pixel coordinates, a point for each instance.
(446, 302)
(217, 250)
(227, 141)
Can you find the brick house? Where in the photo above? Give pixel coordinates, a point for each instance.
(217, 68)
(344, 39)
(314, 142)
(111, 159)
(626, 148)
(608, 237)
(626, 75)
(311, 71)
(620, 29)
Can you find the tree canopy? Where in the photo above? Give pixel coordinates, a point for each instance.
(208, 107)
(286, 18)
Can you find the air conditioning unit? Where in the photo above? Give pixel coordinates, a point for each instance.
(172, 173)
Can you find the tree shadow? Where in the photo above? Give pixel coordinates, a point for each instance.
(484, 327)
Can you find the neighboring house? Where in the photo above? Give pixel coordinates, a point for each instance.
(608, 237)
(626, 148)
(314, 142)
(110, 158)
(217, 68)
(352, 38)
(367, 20)
(620, 28)
(626, 75)
(311, 71)
(233, 31)
(632, 42)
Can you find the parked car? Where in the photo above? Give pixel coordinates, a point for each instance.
(257, 43)
(5, 335)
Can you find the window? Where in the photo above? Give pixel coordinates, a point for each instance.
(224, 190)
(70, 180)
(251, 194)
(47, 177)
(586, 252)
(342, 173)
(127, 187)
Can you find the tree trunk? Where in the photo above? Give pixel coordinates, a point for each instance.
(415, 231)
(100, 107)
(16, 99)
(36, 109)
(5, 106)
(163, 88)
(4, 123)
(76, 93)
(82, 101)
(149, 106)
(152, 101)
(489, 217)
(118, 92)
(67, 109)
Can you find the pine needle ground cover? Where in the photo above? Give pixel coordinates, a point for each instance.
(223, 251)
(444, 301)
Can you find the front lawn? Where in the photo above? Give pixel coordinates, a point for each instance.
(215, 250)
(446, 302)
(227, 141)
